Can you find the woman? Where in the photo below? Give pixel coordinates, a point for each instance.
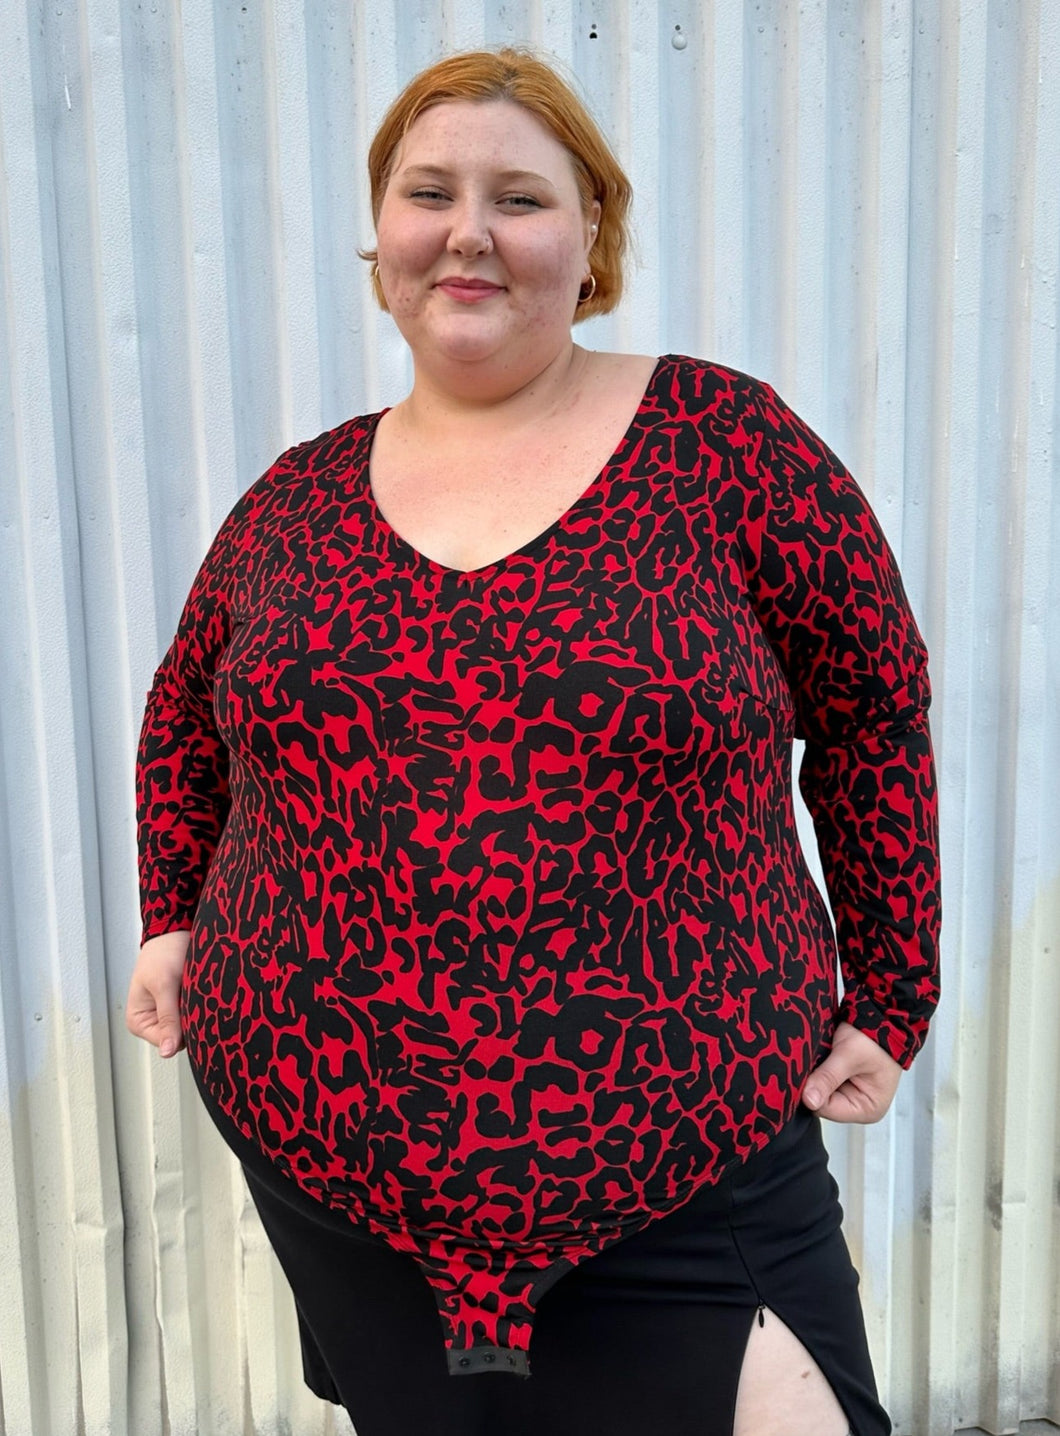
(468, 772)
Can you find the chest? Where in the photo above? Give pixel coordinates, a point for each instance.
(469, 505)
(631, 591)
(468, 519)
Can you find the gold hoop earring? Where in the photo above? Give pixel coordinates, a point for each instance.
(591, 281)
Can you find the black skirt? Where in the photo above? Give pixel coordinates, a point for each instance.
(648, 1337)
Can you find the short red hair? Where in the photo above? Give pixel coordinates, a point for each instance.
(519, 76)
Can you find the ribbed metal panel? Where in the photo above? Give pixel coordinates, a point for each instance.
(858, 200)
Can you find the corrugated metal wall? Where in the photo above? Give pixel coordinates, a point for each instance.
(856, 199)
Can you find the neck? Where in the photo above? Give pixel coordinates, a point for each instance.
(503, 397)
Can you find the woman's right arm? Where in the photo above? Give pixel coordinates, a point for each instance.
(181, 790)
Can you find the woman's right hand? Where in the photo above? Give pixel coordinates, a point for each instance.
(153, 1007)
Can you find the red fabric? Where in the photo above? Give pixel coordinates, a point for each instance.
(503, 939)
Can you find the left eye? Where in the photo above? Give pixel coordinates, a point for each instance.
(521, 201)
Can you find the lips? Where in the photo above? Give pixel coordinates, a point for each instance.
(468, 290)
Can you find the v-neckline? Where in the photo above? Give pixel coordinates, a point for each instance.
(524, 550)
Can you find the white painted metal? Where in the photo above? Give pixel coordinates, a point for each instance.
(857, 199)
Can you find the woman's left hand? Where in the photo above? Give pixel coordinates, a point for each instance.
(856, 1082)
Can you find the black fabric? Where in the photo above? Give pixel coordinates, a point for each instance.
(647, 1337)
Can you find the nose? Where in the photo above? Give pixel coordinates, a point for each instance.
(470, 231)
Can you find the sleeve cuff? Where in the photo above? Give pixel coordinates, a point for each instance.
(901, 1034)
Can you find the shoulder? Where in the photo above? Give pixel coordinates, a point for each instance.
(333, 449)
(300, 472)
(738, 412)
(331, 453)
(703, 385)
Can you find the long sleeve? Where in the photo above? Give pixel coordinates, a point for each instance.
(829, 597)
(182, 762)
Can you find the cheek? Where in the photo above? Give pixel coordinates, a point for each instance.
(403, 251)
(557, 264)
(398, 278)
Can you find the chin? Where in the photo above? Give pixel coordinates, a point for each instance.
(467, 347)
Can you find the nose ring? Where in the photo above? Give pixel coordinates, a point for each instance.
(481, 244)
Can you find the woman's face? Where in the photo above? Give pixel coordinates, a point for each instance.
(482, 240)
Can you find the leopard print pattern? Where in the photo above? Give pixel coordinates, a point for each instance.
(503, 939)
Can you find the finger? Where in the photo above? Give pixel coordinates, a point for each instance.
(849, 1103)
(140, 1012)
(155, 1019)
(170, 1037)
(826, 1079)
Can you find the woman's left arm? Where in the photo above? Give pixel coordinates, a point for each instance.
(829, 596)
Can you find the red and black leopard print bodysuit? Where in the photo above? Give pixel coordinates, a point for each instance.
(503, 941)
